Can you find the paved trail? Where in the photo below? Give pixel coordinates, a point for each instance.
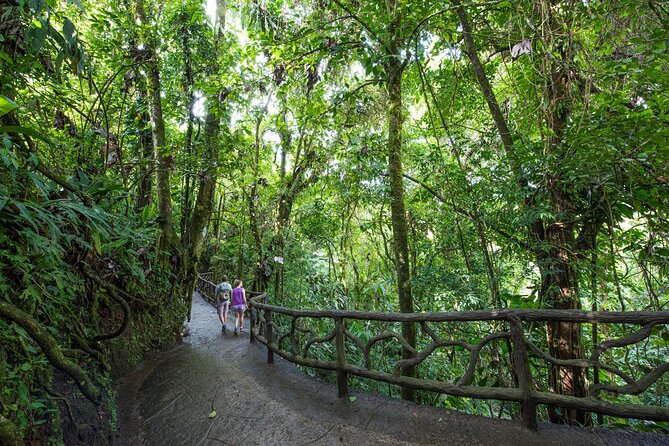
(167, 402)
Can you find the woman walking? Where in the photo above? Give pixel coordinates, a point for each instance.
(239, 305)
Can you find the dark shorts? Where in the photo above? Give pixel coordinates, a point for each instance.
(238, 308)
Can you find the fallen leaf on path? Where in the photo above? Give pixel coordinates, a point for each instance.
(212, 414)
(352, 398)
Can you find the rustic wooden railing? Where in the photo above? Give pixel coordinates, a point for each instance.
(512, 337)
(206, 281)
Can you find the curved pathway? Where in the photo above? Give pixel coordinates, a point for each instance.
(170, 400)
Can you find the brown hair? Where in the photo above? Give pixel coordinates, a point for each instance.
(225, 278)
(237, 282)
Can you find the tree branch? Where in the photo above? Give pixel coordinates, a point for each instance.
(463, 211)
(486, 88)
(357, 19)
(51, 349)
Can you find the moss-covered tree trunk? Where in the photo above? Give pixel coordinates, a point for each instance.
(394, 71)
(163, 159)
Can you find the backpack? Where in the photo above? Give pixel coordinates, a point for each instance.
(224, 292)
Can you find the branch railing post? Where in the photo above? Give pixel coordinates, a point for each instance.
(252, 324)
(340, 344)
(269, 333)
(528, 407)
(255, 317)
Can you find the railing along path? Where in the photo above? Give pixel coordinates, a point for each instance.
(513, 342)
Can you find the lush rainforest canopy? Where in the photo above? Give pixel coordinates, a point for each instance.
(389, 156)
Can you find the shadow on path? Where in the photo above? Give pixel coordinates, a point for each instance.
(167, 402)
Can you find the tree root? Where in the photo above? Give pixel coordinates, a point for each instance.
(51, 349)
(115, 293)
(52, 395)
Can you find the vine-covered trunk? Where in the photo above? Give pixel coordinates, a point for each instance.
(394, 71)
(194, 238)
(554, 241)
(559, 290)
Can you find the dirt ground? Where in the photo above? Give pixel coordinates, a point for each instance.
(170, 400)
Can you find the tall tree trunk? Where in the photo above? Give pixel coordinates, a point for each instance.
(193, 241)
(283, 208)
(190, 119)
(559, 287)
(394, 71)
(163, 159)
(260, 278)
(145, 170)
(240, 253)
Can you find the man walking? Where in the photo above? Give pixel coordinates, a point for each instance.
(222, 296)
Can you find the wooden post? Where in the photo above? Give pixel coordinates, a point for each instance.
(528, 408)
(269, 332)
(340, 343)
(252, 324)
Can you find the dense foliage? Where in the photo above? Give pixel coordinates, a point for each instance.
(480, 154)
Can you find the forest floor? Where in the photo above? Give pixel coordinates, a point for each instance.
(169, 400)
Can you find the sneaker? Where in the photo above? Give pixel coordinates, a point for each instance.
(235, 331)
(224, 328)
(241, 329)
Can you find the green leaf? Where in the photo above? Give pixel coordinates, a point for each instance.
(213, 414)
(26, 131)
(39, 34)
(664, 252)
(68, 31)
(24, 213)
(7, 105)
(39, 182)
(78, 4)
(36, 405)
(115, 244)
(96, 243)
(352, 398)
(23, 393)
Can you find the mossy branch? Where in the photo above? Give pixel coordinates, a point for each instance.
(9, 433)
(51, 349)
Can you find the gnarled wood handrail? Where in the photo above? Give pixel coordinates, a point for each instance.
(293, 341)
